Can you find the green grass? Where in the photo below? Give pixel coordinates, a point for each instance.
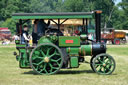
(11, 74)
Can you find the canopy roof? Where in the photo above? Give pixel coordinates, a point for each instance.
(66, 15)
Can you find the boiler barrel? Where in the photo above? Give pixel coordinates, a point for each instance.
(87, 50)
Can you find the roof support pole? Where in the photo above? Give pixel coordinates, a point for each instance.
(64, 21)
(83, 30)
(86, 26)
(58, 24)
(53, 21)
(20, 30)
(25, 21)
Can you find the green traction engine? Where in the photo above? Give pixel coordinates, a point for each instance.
(55, 51)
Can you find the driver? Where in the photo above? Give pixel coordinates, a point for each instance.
(39, 29)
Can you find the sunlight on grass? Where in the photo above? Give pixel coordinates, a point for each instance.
(11, 74)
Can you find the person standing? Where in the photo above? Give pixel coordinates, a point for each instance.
(25, 36)
(39, 29)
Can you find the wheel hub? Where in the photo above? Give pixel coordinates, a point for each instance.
(46, 59)
(104, 64)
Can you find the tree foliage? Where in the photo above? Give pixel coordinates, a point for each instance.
(11, 24)
(113, 15)
(123, 23)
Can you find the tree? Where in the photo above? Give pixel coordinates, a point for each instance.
(58, 5)
(8, 7)
(39, 6)
(107, 6)
(73, 5)
(123, 24)
(11, 24)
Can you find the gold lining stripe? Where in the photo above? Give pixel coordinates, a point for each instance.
(83, 52)
(73, 55)
(69, 49)
(80, 50)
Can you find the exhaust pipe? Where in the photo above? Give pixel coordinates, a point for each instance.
(98, 25)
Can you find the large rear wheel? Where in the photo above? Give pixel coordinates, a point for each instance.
(46, 59)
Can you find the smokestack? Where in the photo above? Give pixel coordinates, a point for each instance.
(98, 25)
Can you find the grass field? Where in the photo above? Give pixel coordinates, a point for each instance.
(11, 74)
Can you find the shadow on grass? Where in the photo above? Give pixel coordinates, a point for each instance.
(30, 72)
(75, 72)
(64, 72)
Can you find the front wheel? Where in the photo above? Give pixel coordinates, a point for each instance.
(91, 63)
(104, 64)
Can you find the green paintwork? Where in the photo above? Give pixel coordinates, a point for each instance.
(24, 58)
(44, 40)
(52, 17)
(87, 49)
(83, 37)
(82, 50)
(74, 62)
(46, 59)
(104, 64)
(17, 41)
(20, 45)
(48, 39)
(73, 51)
(62, 41)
